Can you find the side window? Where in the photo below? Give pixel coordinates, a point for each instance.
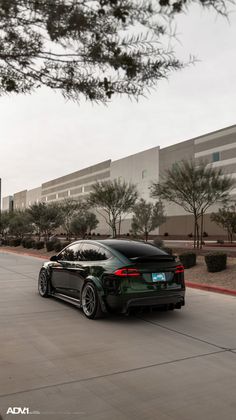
(91, 252)
(215, 157)
(71, 253)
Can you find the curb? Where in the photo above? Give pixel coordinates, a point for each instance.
(200, 286)
(210, 288)
(24, 254)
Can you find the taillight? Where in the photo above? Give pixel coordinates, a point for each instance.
(127, 272)
(179, 269)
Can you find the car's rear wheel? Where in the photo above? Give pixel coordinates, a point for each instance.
(90, 301)
(43, 283)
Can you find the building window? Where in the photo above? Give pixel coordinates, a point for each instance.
(215, 156)
(144, 173)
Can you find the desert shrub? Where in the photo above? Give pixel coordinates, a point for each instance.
(58, 246)
(188, 259)
(220, 241)
(39, 244)
(28, 243)
(50, 246)
(5, 242)
(66, 243)
(23, 242)
(190, 235)
(168, 250)
(15, 242)
(216, 261)
(205, 234)
(166, 234)
(158, 242)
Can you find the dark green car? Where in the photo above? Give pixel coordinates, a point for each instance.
(107, 275)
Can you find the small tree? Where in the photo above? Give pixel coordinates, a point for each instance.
(4, 223)
(147, 217)
(83, 223)
(69, 209)
(226, 218)
(113, 200)
(45, 218)
(194, 186)
(20, 224)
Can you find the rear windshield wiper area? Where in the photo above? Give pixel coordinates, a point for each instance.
(154, 258)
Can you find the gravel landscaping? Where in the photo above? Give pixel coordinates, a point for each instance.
(225, 278)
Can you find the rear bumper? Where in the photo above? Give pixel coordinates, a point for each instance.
(124, 303)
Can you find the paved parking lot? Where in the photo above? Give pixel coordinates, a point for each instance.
(160, 365)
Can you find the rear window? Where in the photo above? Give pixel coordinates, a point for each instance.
(136, 249)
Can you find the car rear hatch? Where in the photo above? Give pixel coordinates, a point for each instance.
(158, 272)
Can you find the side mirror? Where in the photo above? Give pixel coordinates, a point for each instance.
(54, 258)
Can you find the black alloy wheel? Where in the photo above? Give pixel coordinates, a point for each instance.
(43, 284)
(90, 301)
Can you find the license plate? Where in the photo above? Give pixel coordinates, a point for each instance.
(158, 277)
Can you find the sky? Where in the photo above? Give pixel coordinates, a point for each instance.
(43, 136)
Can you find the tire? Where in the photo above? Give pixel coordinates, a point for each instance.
(90, 301)
(44, 287)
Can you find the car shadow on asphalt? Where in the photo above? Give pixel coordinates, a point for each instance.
(134, 316)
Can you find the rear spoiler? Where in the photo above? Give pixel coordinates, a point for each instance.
(154, 258)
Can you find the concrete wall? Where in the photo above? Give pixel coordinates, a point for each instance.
(19, 200)
(7, 203)
(203, 147)
(184, 225)
(77, 184)
(33, 196)
(140, 169)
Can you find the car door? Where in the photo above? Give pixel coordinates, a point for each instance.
(79, 269)
(67, 261)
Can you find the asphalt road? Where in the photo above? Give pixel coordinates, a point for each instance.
(164, 365)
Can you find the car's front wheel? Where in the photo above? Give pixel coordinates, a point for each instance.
(90, 301)
(43, 283)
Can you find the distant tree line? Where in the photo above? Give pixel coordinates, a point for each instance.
(113, 200)
(194, 186)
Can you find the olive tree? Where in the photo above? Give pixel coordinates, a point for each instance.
(4, 223)
(90, 48)
(113, 200)
(147, 217)
(83, 223)
(226, 218)
(20, 224)
(70, 208)
(45, 218)
(194, 186)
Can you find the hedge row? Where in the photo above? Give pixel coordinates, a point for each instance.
(28, 243)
